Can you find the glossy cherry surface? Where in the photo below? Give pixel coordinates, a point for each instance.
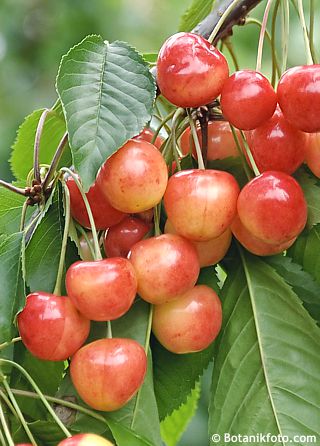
(51, 327)
(253, 244)
(272, 207)
(201, 204)
(299, 97)
(277, 145)
(120, 238)
(104, 214)
(166, 267)
(147, 135)
(209, 252)
(85, 440)
(134, 178)
(247, 99)
(221, 143)
(102, 290)
(313, 153)
(190, 323)
(190, 71)
(108, 372)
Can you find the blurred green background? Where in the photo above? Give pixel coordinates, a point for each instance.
(34, 34)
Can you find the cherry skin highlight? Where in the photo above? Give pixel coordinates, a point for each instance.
(190, 323)
(134, 178)
(166, 267)
(277, 145)
(107, 373)
(120, 238)
(209, 252)
(85, 440)
(221, 143)
(248, 99)
(147, 135)
(272, 207)
(51, 327)
(190, 71)
(102, 290)
(299, 97)
(201, 204)
(313, 153)
(104, 214)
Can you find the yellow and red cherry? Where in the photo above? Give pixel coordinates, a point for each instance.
(190, 323)
(51, 327)
(147, 135)
(134, 178)
(190, 71)
(312, 157)
(85, 440)
(102, 290)
(107, 373)
(166, 267)
(272, 207)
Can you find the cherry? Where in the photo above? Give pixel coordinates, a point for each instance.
(201, 204)
(166, 267)
(104, 214)
(51, 327)
(120, 238)
(146, 216)
(299, 97)
(277, 145)
(253, 244)
(209, 252)
(247, 99)
(134, 178)
(102, 290)
(190, 71)
(190, 323)
(313, 153)
(85, 440)
(147, 135)
(272, 207)
(108, 372)
(221, 143)
(84, 249)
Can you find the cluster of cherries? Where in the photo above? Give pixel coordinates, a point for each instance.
(80, 440)
(204, 207)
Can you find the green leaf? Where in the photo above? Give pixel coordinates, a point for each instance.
(266, 374)
(125, 437)
(311, 188)
(12, 287)
(197, 11)
(22, 149)
(151, 58)
(10, 211)
(107, 93)
(174, 425)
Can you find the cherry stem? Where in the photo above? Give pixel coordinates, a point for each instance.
(97, 253)
(262, 35)
(109, 330)
(305, 33)
(229, 46)
(242, 157)
(175, 122)
(38, 391)
(19, 413)
(8, 403)
(162, 124)
(8, 343)
(5, 427)
(13, 188)
(57, 288)
(222, 20)
(85, 235)
(3, 442)
(311, 31)
(55, 161)
(36, 149)
(285, 26)
(23, 215)
(156, 223)
(273, 40)
(250, 156)
(148, 332)
(196, 141)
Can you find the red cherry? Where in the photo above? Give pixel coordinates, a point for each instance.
(299, 97)
(104, 214)
(221, 143)
(85, 440)
(201, 204)
(272, 207)
(24, 444)
(119, 239)
(253, 244)
(190, 71)
(166, 267)
(135, 177)
(277, 145)
(108, 372)
(147, 135)
(190, 323)
(313, 153)
(102, 290)
(248, 99)
(51, 327)
(211, 251)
